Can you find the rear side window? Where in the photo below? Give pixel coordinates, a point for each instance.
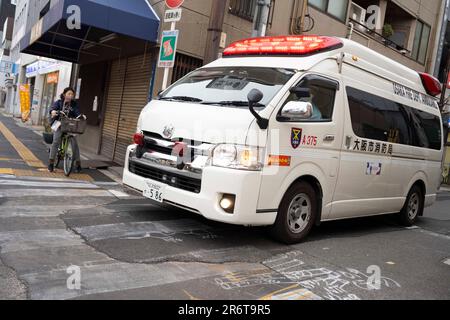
(381, 119)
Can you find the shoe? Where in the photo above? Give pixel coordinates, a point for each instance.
(51, 167)
(78, 169)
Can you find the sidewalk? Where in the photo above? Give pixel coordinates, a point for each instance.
(94, 165)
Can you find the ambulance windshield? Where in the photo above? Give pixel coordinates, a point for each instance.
(228, 86)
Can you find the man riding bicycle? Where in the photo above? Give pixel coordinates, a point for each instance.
(69, 107)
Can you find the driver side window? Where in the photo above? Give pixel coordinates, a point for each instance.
(318, 104)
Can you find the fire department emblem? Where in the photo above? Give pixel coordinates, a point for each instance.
(296, 137)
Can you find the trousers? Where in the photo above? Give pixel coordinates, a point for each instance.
(57, 138)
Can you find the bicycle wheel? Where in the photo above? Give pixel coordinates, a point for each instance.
(69, 158)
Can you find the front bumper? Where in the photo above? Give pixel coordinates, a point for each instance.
(215, 182)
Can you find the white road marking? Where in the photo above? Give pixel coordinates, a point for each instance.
(100, 279)
(434, 234)
(139, 230)
(42, 184)
(447, 262)
(119, 194)
(111, 176)
(35, 239)
(19, 193)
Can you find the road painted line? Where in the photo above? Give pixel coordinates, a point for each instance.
(447, 262)
(6, 171)
(79, 193)
(116, 277)
(73, 185)
(46, 174)
(111, 176)
(434, 234)
(165, 230)
(23, 151)
(13, 241)
(299, 294)
(119, 194)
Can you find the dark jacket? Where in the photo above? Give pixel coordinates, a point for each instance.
(74, 110)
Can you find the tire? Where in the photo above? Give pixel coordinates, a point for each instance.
(292, 226)
(69, 159)
(413, 207)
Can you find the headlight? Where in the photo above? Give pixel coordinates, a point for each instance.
(237, 157)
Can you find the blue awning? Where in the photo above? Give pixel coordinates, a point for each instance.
(105, 24)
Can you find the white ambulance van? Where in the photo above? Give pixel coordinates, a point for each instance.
(292, 131)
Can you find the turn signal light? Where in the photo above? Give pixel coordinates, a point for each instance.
(138, 138)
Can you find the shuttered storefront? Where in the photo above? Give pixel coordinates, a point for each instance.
(128, 89)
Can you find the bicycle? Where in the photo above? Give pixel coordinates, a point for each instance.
(70, 129)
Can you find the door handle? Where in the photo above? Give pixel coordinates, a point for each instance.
(348, 142)
(329, 138)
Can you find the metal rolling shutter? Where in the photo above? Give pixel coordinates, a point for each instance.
(113, 102)
(127, 102)
(134, 99)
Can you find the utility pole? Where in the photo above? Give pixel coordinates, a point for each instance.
(261, 18)
(215, 30)
(444, 84)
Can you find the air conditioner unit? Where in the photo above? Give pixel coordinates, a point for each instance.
(358, 14)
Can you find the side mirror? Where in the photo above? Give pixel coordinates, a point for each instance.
(255, 96)
(301, 92)
(297, 110)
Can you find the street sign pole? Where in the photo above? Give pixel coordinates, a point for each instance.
(166, 70)
(169, 39)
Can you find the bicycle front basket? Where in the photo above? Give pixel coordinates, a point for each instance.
(75, 126)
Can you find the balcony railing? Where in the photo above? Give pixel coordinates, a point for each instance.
(380, 38)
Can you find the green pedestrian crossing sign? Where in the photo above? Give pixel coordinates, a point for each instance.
(168, 49)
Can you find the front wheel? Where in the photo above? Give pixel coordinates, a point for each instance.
(296, 215)
(69, 157)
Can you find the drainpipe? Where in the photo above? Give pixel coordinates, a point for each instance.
(261, 18)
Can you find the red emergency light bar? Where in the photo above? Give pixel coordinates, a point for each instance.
(283, 45)
(431, 84)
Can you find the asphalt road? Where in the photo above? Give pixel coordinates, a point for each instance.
(126, 248)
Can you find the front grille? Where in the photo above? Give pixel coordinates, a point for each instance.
(171, 179)
(151, 145)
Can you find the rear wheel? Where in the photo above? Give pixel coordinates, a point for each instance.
(69, 158)
(296, 215)
(413, 207)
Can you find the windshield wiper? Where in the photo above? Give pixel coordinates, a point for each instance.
(234, 103)
(182, 98)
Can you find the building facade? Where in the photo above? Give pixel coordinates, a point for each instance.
(115, 68)
(404, 30)
(45, 77)
(7, 68)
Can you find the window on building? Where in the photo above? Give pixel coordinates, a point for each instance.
(381, 119)
(183, 65)
(335, 8)
(421, 40)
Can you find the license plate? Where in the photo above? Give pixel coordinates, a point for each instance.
(154, 191)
